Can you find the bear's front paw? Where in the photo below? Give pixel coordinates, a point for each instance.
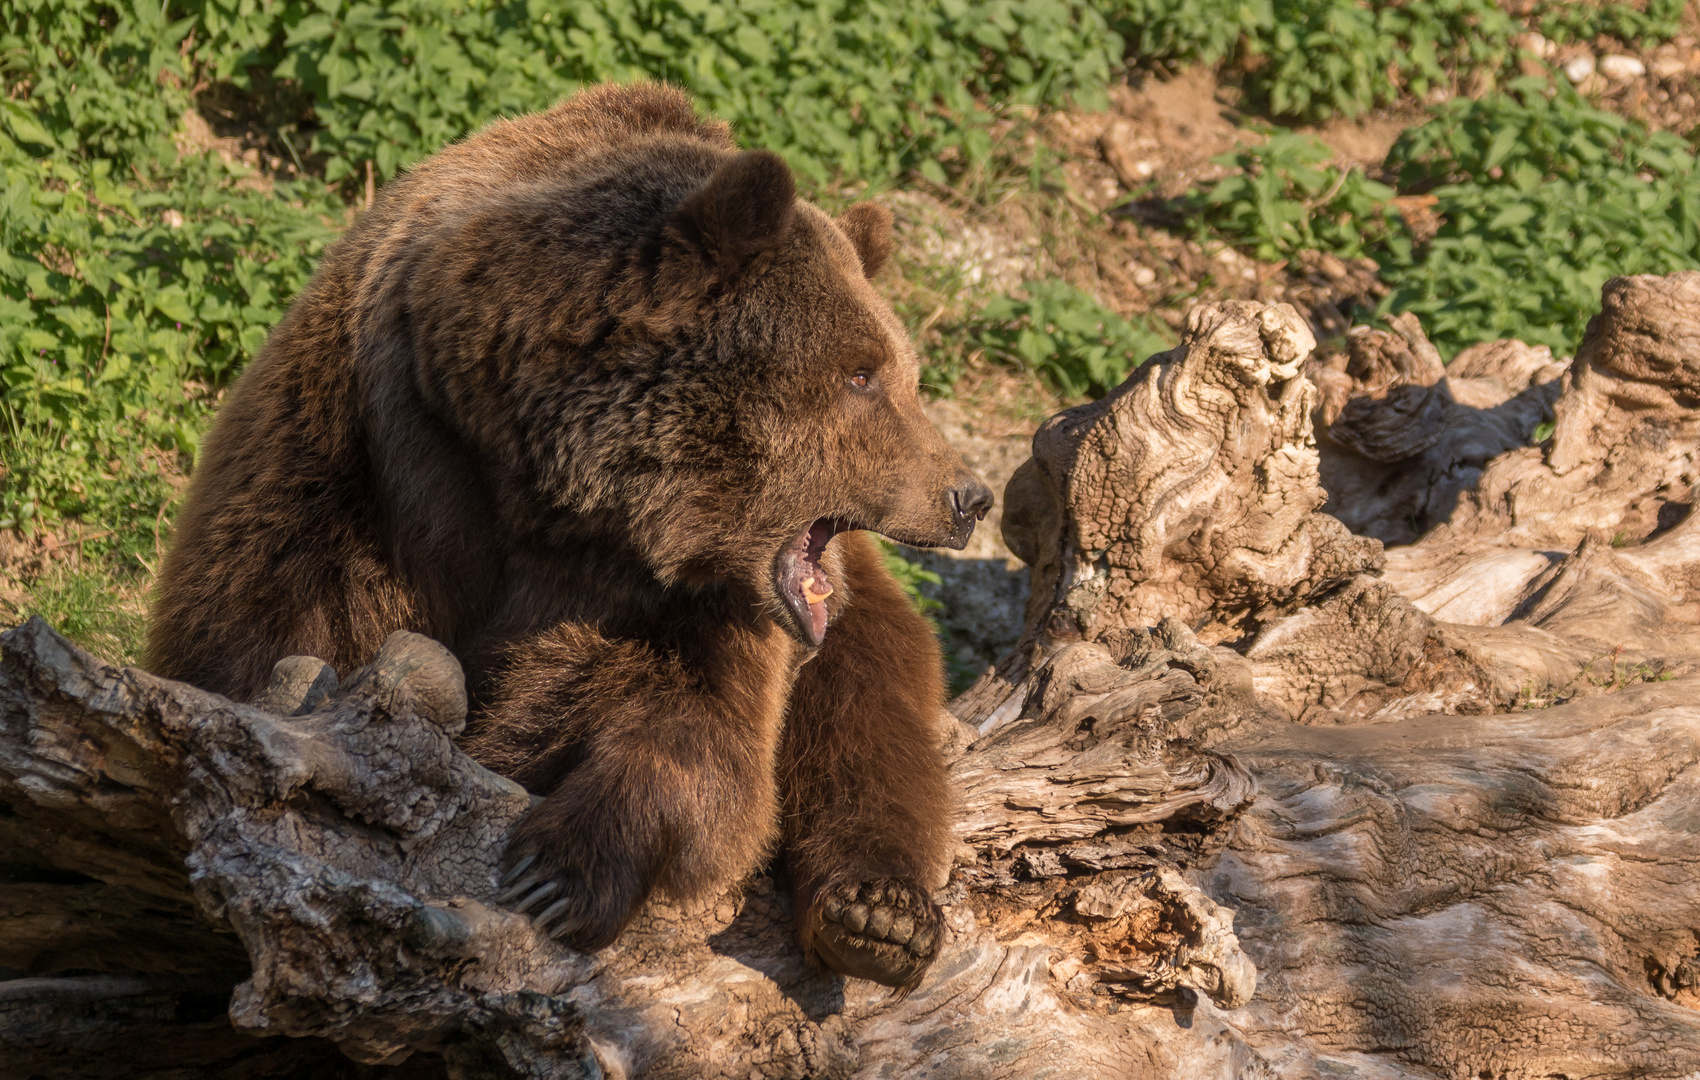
(565, 905)
(886, 931)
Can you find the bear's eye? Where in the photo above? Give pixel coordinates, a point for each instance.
(862, 380)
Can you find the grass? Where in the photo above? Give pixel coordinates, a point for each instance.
(1615, 675)
(105, 613)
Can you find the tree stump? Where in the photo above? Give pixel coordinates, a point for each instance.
(1253, 796)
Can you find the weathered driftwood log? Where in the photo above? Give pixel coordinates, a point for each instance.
(1188, 492)
(342, 842)
(1509, 894)
(1475, 852)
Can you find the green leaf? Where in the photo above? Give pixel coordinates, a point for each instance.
(24, 126)
(1499, 150)
(1512, 216)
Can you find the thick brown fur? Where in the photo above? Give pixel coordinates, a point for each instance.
(560, 400)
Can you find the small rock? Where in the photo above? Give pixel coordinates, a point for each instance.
(173, 219)
(1143, 276)
(1539, 45)
(1622, 68)
(1126, 149)
(1579, 69)
(1668, 67)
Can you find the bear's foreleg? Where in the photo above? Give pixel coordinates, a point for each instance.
(867, 808)
(654, 776)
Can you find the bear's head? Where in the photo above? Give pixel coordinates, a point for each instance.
(676, 352)
(828, 395)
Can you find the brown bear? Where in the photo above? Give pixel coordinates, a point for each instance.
(595, 400)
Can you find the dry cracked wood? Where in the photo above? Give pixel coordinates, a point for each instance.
(349, 850)
(1506, 893)
(1240, 804)
(1515, 895)
(1188, 492)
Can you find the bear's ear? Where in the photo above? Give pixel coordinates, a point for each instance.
(868, 225)
(747, 207)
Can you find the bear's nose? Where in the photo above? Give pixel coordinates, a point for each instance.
(971, 499)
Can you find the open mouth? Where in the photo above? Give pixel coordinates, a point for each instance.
(802, 581)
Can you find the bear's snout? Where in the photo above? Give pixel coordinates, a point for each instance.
(970, 502)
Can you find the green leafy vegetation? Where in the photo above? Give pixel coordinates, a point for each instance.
(1311, 59)
(133, 281)
(1568, 20)
(1079, 346)
(911, 576)
(1546, 198)
(1287, 195)
(1540, 197)
(1052, 330)
(1328, 57)
(1181, 30)
(86, 603)
(858, 88)
(1537, 122)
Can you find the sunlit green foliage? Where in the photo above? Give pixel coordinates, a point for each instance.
(1311, 59)
(1181, 30)
(1570, 20)
(132, 280)
(1079, 346)
(1541, 199)
(859, 88)
(1288, 195)
(1548, 198)
(1337, 56)
(1317, 58)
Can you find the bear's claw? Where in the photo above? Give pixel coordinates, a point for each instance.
(518, 889)
(542, 919)
(560, 904)
(886, 931)
(513, 873)
(530, 903)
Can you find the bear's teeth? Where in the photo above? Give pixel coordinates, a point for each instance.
(811, 585)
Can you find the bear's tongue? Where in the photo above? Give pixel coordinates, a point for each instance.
(803, 582)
